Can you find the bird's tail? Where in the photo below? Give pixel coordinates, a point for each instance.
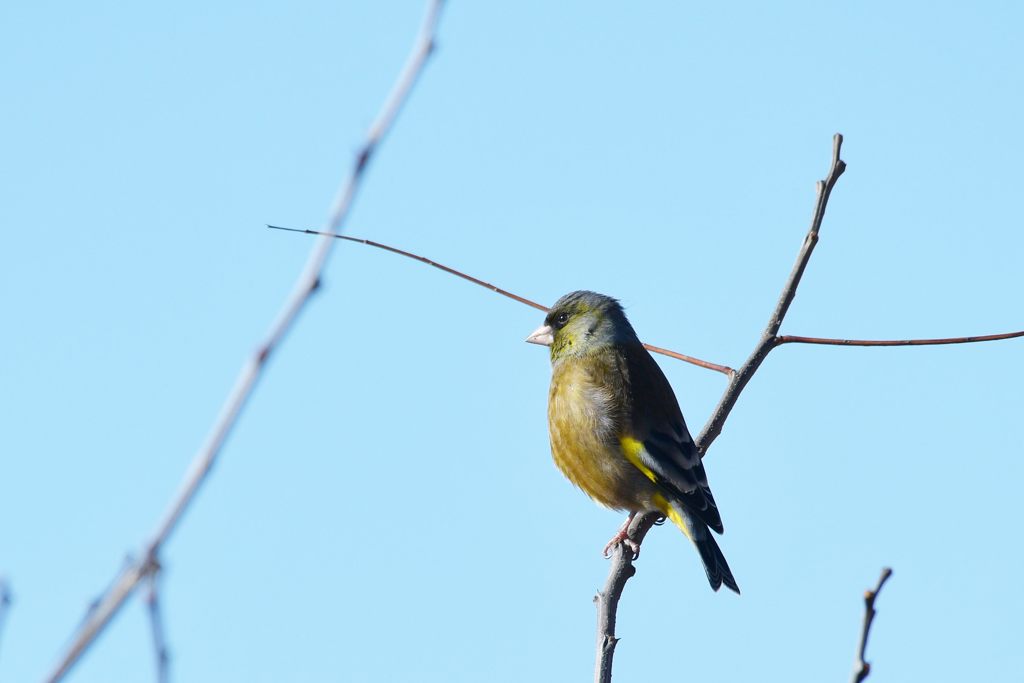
(714, 561)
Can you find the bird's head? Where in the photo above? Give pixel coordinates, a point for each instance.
(582, 322)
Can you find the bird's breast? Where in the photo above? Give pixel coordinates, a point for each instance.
(584, 424)
(581, 404)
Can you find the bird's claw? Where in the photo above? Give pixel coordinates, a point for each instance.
(622, 537)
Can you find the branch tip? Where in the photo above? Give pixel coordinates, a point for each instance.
(769, 339)
(861, 667)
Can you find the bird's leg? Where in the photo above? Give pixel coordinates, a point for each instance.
(622, 536)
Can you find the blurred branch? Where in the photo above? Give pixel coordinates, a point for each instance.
(861, 668)
(498, 290)
(306, 284)
(622, 559)
(5, 601)
(156, 624)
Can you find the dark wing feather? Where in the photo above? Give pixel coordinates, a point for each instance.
(653, 418)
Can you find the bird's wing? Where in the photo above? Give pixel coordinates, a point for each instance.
(657, 441)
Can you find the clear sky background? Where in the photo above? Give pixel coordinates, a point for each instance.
(387, 509)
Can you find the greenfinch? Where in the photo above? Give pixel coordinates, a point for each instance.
(616, 429)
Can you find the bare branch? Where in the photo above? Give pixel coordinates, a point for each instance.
(777, 316)
(724, 369)
(622, 562)
(732, 392)
(156, 624)
(5, 601)
(861, 668)
(794, 339)
(307, 283)
(421, 259)
(498, 290)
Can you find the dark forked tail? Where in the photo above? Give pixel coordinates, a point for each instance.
(714, 563)
(697, 531)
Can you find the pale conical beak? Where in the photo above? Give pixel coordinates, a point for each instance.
(543, 335)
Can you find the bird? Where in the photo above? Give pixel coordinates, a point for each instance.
(617, 431)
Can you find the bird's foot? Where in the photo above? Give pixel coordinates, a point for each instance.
(622, 536)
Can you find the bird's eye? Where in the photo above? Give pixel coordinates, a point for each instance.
(562, 319)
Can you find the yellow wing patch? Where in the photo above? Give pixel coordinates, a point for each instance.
(673, 514)
(631, 449)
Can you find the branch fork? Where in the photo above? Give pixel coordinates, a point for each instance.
(622, 568)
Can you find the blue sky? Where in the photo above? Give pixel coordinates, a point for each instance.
(387, 509)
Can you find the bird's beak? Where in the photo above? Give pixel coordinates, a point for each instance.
(543, 335)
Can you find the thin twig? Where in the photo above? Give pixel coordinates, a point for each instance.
(421, 259)
(621, 564)
(724, 369)
(5, 601)
(163, 659)
(498, 290)
(732, 392)
(795, 339)
(306, 284)
(861, 668)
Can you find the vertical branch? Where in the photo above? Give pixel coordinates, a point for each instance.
(861, 668)
(5, 601)
(306, 284)
(622, 568)
(769, 340)
(156, 624)
(607, 601)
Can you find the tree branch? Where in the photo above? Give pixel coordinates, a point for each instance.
(794, 339)
(156, 624)
(724, 369)
(861, 668)
(607, 600)
(739, 381)
(5, 601)
(497, 290)
(622, 562)
(306, 284)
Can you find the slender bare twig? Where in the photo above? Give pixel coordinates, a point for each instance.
(306, 284)
(621, 563)
(421, 259)
(861, 668)
(724, 369)
(732, 392)
(795, 339)
(498, 290)
(156, 623)
(5, 601)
